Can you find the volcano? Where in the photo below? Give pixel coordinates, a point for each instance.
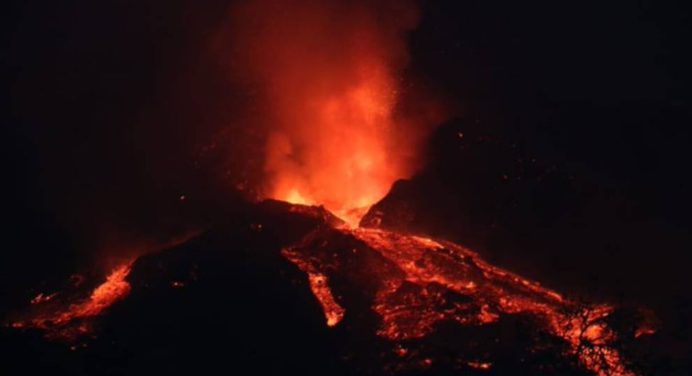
(346, 187)
(298, 285)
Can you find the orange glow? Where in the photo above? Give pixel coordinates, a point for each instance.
(114, 289)
(331, 75)
(68, 322)
(347, 166)
(69, 314)
(480, 365)
(412, 277)
(333, 312)
(42, 298)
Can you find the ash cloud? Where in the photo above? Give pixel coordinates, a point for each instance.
(330, 78)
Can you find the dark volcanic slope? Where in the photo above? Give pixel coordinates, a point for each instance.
(240, 297)
(224, 301)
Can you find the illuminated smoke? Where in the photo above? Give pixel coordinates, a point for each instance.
(330, 75)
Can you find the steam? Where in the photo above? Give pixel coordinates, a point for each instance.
(330, 76)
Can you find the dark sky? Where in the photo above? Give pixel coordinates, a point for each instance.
(113, 105)
(600, 86)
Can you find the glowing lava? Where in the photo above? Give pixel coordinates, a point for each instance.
(70, 321)
(69, 314)
(416, 283)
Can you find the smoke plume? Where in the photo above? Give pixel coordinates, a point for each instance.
(330, 77)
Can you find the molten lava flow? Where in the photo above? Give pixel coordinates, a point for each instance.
(68, 322)
(416, 283)
(330, 73)
(68, 315)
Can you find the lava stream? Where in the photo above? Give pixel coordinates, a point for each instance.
(414, 276)
(72, 320)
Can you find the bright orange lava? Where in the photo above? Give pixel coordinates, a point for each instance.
(70, 321)
(413, 279)
(69, 314)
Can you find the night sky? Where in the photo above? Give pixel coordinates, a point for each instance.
(116, 109)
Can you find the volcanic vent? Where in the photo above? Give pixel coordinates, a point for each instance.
(342, 120)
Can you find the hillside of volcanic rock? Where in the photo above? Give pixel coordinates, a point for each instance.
(284, 289)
